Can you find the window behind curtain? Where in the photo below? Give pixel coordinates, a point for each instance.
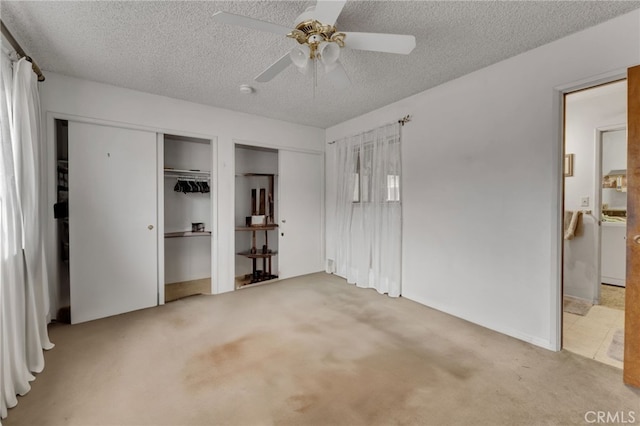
(363, 174)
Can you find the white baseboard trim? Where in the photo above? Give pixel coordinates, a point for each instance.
(534, 340)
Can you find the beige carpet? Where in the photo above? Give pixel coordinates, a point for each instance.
(612, 296)
(308, 351)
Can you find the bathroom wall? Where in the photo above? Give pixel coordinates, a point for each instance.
(586, 111)
(614, 157)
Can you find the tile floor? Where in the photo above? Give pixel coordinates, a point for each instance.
(591, 335)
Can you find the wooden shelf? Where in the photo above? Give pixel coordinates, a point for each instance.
(187, 234)
(257, 255)
(255, 174)
(257, 228)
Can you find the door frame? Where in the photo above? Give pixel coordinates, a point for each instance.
(557, 213)
(279, 148)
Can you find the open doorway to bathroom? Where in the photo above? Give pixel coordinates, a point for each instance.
(595, 207)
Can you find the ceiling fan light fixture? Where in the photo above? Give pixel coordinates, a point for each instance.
(300, 56)
(329, 53)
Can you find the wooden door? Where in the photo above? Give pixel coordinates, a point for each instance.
(113, 260)
(300, 246)
(632, 296)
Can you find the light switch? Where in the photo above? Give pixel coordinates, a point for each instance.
(584, 202)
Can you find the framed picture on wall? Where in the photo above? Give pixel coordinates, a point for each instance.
(568, 165)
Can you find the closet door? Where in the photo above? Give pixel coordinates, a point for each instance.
(301, 190)
(112, 220)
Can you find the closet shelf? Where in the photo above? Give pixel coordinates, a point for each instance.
(257, 228)
(257, 255)
(186, 234)
(169, 172)
(255, 174)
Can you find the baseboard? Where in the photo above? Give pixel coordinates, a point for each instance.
(534, 340)
(178, 290)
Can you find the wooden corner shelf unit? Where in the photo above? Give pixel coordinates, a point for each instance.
(263, 253)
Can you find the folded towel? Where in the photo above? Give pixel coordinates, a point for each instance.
(572, 224)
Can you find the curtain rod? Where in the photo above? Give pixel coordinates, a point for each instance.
(404, 120)
(20, 51)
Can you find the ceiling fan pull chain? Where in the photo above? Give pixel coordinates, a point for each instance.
(315, 76)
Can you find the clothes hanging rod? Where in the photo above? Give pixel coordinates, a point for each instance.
(14, 43)
(404, 120)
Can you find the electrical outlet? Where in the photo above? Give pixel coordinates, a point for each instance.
(584, 202)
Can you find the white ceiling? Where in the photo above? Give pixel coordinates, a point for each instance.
(172, 48)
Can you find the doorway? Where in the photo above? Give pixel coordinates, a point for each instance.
(279, 206)
(256, 229)
(595, 222)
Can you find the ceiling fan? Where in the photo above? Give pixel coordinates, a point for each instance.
(319, 41)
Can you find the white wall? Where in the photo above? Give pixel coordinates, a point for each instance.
(587, 111)
(71, 96)
(481, 182)
(614, 157)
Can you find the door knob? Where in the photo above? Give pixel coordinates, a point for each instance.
(636, 239)
(150, 227)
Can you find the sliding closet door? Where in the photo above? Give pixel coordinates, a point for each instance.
(301, 190)
(112, 220)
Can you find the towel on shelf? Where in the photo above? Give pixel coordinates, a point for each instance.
(572, 221)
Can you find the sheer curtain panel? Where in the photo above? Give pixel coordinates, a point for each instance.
(369, 209)
(24, 302)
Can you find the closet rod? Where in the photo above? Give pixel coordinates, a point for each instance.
(14, 43)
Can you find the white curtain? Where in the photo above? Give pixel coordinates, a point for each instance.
(369, 209)
(24, 300)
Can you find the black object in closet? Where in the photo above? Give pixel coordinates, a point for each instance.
(187, 186)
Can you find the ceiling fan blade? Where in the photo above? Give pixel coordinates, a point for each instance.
(327, 11)
(338, 77)
(275, 69)
(254, 24)
(377, 42)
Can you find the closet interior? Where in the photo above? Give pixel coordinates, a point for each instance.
(256, 236)
(188, 216)
(61, 214)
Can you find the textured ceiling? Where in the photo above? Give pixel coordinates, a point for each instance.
(173, 48)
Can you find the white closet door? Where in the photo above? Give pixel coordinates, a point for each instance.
(301, 184)
(112, 220)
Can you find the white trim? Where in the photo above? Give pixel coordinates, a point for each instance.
(256, 144)
(160, 212)
(213, 185)
(497, 327)
(556, 246)
(596, 80)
